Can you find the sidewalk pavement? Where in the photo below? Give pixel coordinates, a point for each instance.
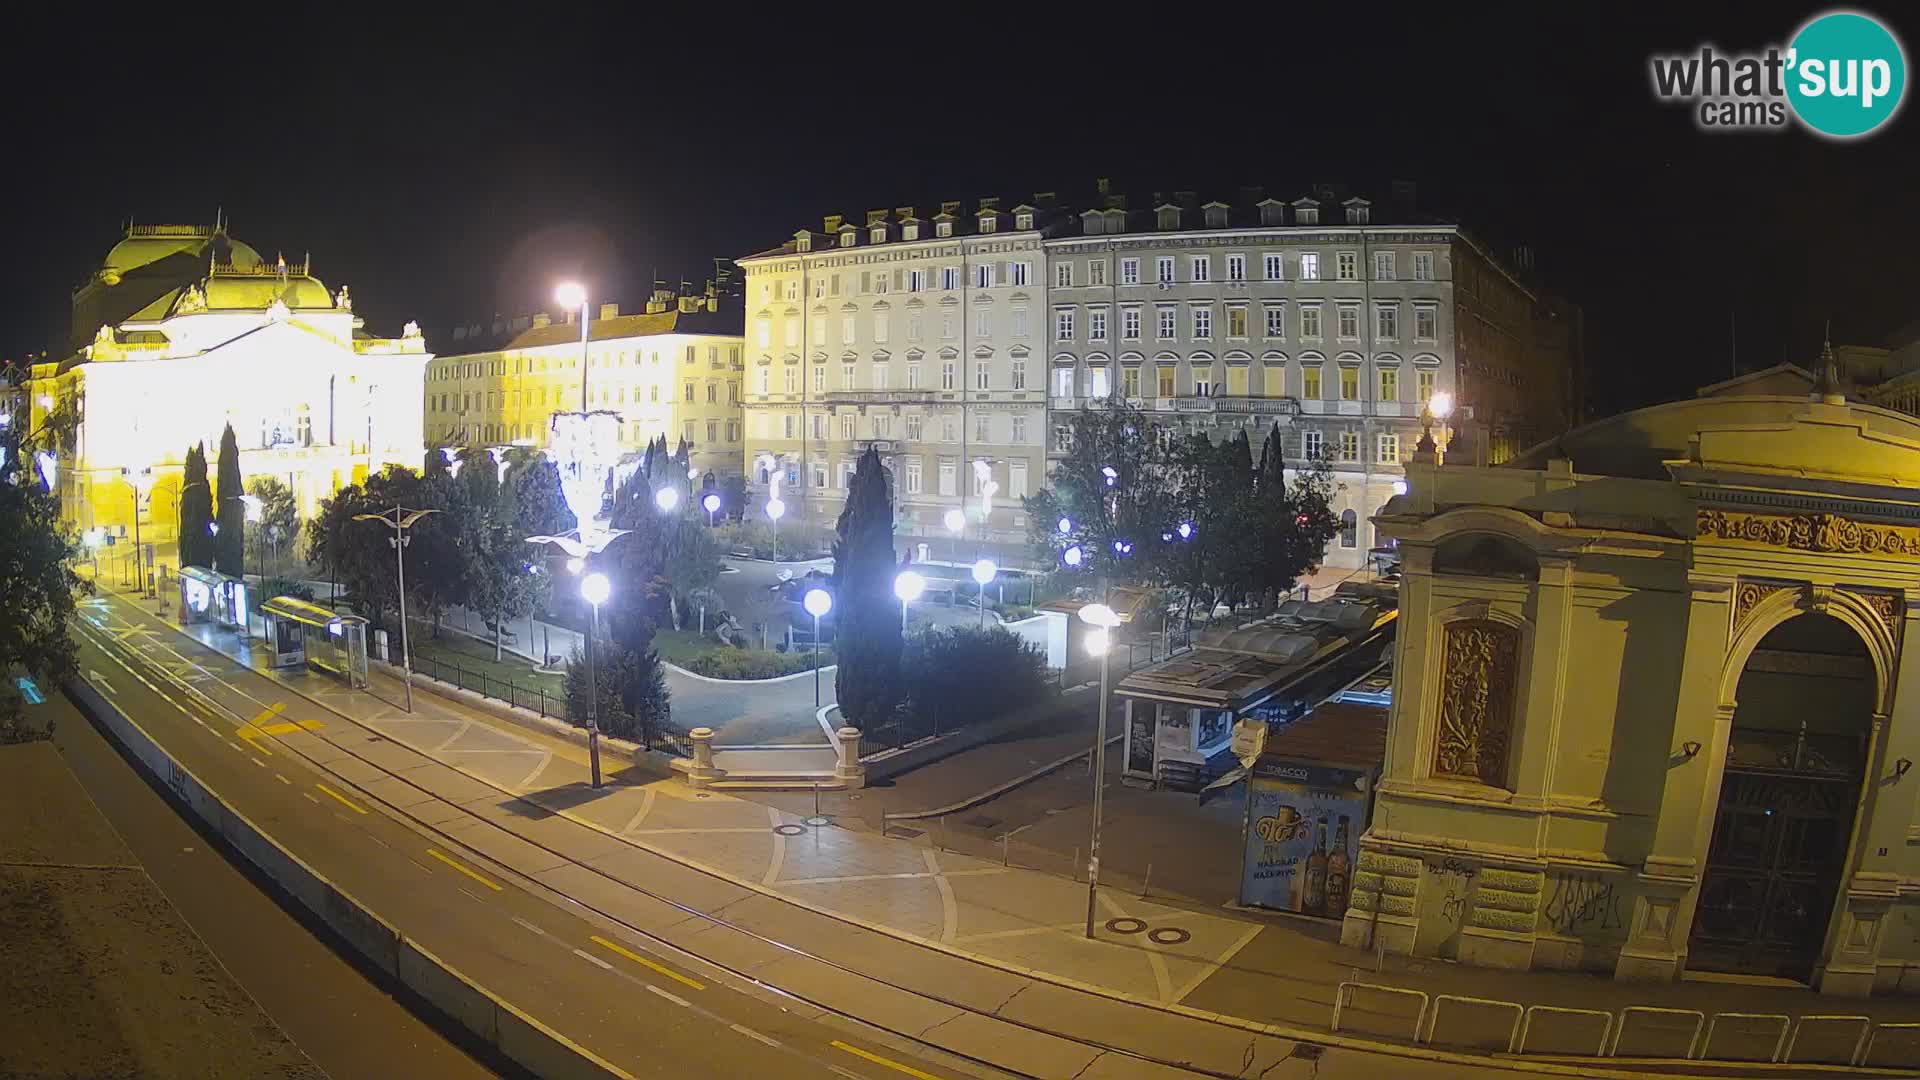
(1174, 954)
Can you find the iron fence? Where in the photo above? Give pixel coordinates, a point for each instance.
(538, 699)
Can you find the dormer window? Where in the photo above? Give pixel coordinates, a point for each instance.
(1216, 216)
(803, 242)
(1359, 212)
(1023, 222)
(1273, 213)
(910, 231)
(1169, 217)
(1307, 215)
(878, 235)
(989, 223)
(943, 229)
(849, 238)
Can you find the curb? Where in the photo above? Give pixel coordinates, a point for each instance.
(516, 1035)
(972, 801)
(677, 669)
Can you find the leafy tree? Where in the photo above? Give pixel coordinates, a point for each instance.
(279, 516)
(230, 543)
(1296, 522)
(733, 497)
(868, 637)
(196, 510)
(355, 553)
(499, 582)
(39, 584)
(1133, 508)
(633, 701)
(964, 673)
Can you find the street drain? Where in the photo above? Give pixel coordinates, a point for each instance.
(907, 831)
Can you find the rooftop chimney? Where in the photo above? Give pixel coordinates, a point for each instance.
(991, 202)
(952, 207)
(876, 217)
(541, 319)
(832, 223)
(609, 311)
(1044, 199)
(1102, 186)
(905, 213)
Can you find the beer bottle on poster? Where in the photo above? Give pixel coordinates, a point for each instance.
(1313, 898)
(1339, 872)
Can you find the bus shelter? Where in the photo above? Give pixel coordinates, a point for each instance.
(208, 596)
(301, 633)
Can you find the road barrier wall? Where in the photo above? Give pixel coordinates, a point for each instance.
(518, 1037)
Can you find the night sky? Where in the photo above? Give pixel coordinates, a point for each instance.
(450, 171)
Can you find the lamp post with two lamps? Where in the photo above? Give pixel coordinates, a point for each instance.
(400, 520)
(711, 504)
(595, 588)
(1099, 643)
(983, 572)
(141, 480)
(907, 585)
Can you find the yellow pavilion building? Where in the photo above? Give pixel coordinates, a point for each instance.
(183, 330)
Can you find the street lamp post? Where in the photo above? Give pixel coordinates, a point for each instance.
(817, 602)
(711, 504)
(142, 482)
(956, 523)
(1100, 643)
(594, 588)
(907, 586)
(983, 572)
(401, 521)
(775, 511)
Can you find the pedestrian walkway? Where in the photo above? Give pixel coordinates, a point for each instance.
(1272, 970)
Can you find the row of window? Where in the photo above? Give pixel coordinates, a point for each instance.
(913, 427)
(537, 398)
(630, 432)
(879, 377)
(1072, 273)
(1310, 385)
(1200, 324)
(913, 477)
(476, 369)
(1200, 316)
(1314, 445)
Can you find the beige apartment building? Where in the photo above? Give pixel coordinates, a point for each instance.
(921, 336)
(673, 369)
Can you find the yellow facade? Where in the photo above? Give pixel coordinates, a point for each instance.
(200, 333)
(674, 371)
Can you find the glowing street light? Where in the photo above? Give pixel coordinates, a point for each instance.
(983, 572)
(711, 504)
(1185, 530)
(667, 498)
(908, 586)
(1065, 526)
(1099, 642)
(1112, 476)
(594, 589)
(1073, 556)
(955, 521)
(817, 602)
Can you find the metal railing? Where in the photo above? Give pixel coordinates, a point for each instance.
(537, 699)
(1634, 1031)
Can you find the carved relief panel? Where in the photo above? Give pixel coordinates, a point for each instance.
(1477, 701)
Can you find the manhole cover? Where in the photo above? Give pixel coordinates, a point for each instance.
(789, 830)
(1126, 925)
(1168, 935)
(981, 821)
(818, 821)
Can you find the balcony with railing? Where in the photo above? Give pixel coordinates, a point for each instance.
(877, 397)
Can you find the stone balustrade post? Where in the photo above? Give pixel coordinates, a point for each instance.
(847, 769)
(703, 771)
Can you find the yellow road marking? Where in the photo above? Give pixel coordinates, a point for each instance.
(290, 728)
(878, 1060)
(463, 870)
(270, 712)
(643, 961)
(252, 730)
(342, 799)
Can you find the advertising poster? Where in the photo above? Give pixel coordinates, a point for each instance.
(1303, 825)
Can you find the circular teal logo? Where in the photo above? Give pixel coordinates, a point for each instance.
(1847, 74)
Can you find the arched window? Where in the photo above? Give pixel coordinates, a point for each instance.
(1349, 529)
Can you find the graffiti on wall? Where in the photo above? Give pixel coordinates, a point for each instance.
(1582, 905)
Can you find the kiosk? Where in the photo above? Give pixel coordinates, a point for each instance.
(1309, 798)
(210, 596)
(302, 633)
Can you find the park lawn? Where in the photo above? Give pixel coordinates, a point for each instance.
(477, 657)
(680, 646)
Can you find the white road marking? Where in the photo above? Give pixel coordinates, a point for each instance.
(675, 998)
(379, 841)
(779, 850)
(646, 807)
(282, 779)
(527, 925)
(423, 867)
(307, 795)
(752, 1034)
(592, 959)
(258, 762)
(476, 899)
(949, 907)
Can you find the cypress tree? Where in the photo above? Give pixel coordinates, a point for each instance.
(230, 543)
(868, 639)
(196, 510)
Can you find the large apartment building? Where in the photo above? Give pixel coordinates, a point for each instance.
(922, 336)
(673, 369)
(969, 337)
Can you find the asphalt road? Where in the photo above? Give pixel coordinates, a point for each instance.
(349, 1024)
(588, 979)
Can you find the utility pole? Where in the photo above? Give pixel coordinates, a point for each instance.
(400, 522)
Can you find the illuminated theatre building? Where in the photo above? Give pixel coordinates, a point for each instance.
(184, 330)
